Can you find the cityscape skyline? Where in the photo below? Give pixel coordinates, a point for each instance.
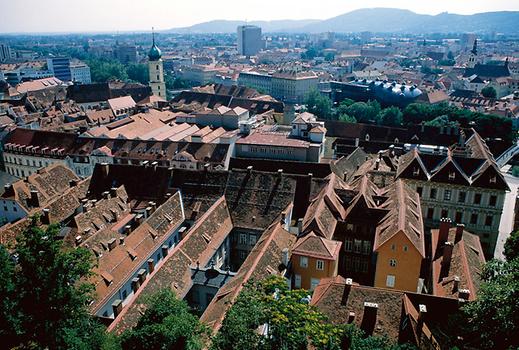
(128, 16)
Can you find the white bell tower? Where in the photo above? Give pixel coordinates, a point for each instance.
(156, 70)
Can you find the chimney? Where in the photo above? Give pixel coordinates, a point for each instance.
(377, 164)
(446, 261)
(464, 294)
(443, 232)
(113, 192)
(459, 232)
(121, 240)
(117, 307)
(456, 284)
(207, 166)
(283, 218)
(249, 169)
(351, 317)
(284, 256)
(35, 200)
(127, 229)
(104, 169)
(142, 275)
(94, 202)
(369, 318)
(73, 183)
(165, 250)
(148, 212)
(45, 218)
(151, 265)
(280, 173)
(154, 165)
(422, 312)
(181, 233)
(153, 206)
(138, 219)
(136, 283)
(83, 207)
(112, 244)
(106, 194)
(79, 239)
(356, 142)
(299, 226)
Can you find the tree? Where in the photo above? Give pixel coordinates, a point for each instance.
(492, 320)
(319, 105)
(512, 246)
(48, 294)
(364, 112)
(347, 119)
(489, 92)
(329, 57)
(440, 121)
(138, 72)
(103, 70)
(166, 324)
(291, 323)
(391, 116)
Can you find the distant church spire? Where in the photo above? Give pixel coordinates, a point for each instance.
(153, 35)
(475, 47)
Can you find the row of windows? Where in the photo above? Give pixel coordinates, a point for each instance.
(462, 196)
(20, 161)
(271, 150)
(303, 262)
(356, 264)
(357, 246)
(244, 240)
(459, 217)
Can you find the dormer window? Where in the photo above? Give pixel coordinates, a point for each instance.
(493, 180)
(416, 171)
(366, 137)
(452, 175)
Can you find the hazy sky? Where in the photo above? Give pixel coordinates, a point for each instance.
(124, 15)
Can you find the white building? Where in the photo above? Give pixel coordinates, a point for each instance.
(80, 73)
(156, 71)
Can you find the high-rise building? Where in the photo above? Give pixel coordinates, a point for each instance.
(5, 52)
(249, 40)
(126, 53)
(60, 67)
(156, 69)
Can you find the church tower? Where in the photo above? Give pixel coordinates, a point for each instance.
(156, 69)
(473, 55)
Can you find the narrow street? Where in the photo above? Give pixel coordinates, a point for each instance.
(507, 219)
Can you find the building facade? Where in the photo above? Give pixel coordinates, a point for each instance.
(249, 40)
(60, 67)
(80, 73)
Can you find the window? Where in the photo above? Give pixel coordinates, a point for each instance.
(357, 245)
(243, 238)
(313, 283)
(392, 262)
(459, 217)
(419, 190)
(393, 247)
(252, 239)
(447, 195)
(297, 281)
(390, 281)
(348, 245)
(477, 198)
(462, 196)
(452, 175)
(366, 247)
(303, 262)
(474, 219)
(432, 194)
(493, 180)
(445, 213)
(492, 201)
(488, 220)
(319, 265)
(416, 171)
(430, 213)
(364, 265)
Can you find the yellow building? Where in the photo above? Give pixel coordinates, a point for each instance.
(314, 258)
(399, 242)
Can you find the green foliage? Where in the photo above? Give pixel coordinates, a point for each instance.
(364, 112)
(166, 324)
(329, 57)
(487, 125)
(512, 246)
(440, 121)
(45, 301)
(492, 320)
(448, 62)
(103, 70)
(489, 92)
(391, 116)
(138, 72)
(292, 322)
(347, 118)
(319, 105)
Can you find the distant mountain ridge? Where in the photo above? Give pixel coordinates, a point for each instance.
(378, 20)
